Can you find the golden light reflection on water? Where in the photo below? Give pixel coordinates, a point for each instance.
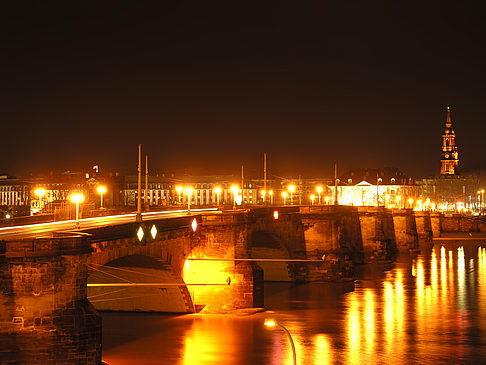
(323, 349)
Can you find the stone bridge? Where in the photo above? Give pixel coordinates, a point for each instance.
(49, 284)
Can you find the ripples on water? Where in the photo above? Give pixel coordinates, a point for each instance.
(425, 308)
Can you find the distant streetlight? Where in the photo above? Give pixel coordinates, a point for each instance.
(217, 190)
(271, 196)
(319, 191)
(101, 190)
(327, 200)
(291, 189)
(235, 190)
(263, 192)
(189, 192)
(179, 189)
(312, 197)
(410, 201)
(284, 195)
(272, 323)
(40, 192)
(77, 198)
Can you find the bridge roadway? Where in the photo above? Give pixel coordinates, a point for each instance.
(35, 230)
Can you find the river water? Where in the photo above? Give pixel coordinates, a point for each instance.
(424, 308)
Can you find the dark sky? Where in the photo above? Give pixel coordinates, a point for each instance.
(207, 86)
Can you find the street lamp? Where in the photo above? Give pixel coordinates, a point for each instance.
(189, 192)
(101, 190)
(271, 196)
(312, 197)
(327, 200)
(272, 323)
(284, 195)
(378, 181)
(291, 189)
(235, 190)
(217, 190)
(179, 189)
(481, 200)
(319, 191)
(40, 192)
(263, 192)
(77, 198)
(410, 201)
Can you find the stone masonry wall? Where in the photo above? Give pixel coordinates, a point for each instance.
(45, 317)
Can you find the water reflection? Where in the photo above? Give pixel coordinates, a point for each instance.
(425, 309)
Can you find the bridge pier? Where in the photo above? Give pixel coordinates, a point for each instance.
(45, 317)
(424, 228)
(377, 232)
(405, 229)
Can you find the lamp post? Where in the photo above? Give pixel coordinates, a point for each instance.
(410, 201)
(101, 190)
(319, 191)
(291, 189)
(272, 323)
(179, 189)
(217, 190)
(40, 192)
(327, 200)
(271, 196)
(284, 195)
(378, 181)
(312, 197)
(481, 200)
(77, 198)
(234, 189)
(189, 192)
(263, 192)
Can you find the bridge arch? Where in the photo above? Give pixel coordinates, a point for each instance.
(138, 283)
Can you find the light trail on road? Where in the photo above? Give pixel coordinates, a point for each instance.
(25, 231)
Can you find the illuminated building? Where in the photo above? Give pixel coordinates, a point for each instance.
(451, 189)
(449, 157)
(371, 187)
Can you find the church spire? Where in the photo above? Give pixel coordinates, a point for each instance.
(448, 120)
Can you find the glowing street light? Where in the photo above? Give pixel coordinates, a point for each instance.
(327, 200)
(319, 191)
(40, 192)
(263, 192)
(271, 196)
(387, 200)
(189, 192)
(284, 195)
(101, 190)
(410, 201)
(179, 189)
(217, 190)
(312, 197)
(272, 323)
(235, 190)
(291, 189)
(77, 198)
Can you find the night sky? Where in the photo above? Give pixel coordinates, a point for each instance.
(206, 86)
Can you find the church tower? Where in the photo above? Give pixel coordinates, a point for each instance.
(449, 158)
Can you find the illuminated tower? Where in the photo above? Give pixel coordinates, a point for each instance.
(449, 157)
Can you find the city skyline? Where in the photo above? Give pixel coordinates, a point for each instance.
(211, 89)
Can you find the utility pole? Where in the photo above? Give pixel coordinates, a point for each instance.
(300, 191)
(242, 188)
(335, 185)
(264, 177)
(139, 201)
(146, 182)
